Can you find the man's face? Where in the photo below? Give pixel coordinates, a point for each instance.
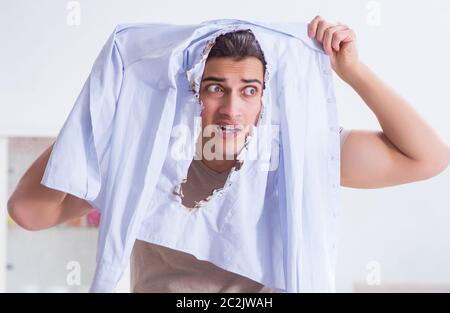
(231, 94)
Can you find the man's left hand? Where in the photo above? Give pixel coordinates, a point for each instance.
(339, 42)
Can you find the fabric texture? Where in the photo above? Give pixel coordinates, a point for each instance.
(127, 144)
(156, 268)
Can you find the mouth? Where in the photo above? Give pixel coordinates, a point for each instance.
(230, 130)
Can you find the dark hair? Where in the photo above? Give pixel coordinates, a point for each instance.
(238, 45)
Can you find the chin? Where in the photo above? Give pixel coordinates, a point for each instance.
(230, 152)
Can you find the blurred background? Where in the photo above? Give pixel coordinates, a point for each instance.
(390, 239)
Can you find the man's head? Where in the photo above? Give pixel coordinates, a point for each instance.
(231, 91)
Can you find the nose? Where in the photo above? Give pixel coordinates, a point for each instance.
(231, 106)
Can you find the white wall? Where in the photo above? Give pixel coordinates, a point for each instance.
(404, 230)
(3, 195)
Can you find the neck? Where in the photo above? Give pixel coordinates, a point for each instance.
(219, 166)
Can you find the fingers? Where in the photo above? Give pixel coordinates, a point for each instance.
(330, 34)
(318, 26)
(345, 35)
(312, 26)
(332, 38)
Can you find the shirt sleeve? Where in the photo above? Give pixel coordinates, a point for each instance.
(344, 134)
(75, 162)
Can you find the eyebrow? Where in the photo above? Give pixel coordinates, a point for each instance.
(221, 79)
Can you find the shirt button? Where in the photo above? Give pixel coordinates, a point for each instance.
(332, 158)
(326, 71)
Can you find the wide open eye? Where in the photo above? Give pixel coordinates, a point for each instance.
(214, 88)
(250, 91)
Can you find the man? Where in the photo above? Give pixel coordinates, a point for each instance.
(406, 150)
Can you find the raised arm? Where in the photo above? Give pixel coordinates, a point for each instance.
(407, 149)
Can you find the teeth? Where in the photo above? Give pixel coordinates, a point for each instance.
(230, 128)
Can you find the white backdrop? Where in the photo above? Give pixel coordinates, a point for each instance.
(396, 235)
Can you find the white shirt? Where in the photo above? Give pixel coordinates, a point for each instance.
(155, 268)
(129, 140)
